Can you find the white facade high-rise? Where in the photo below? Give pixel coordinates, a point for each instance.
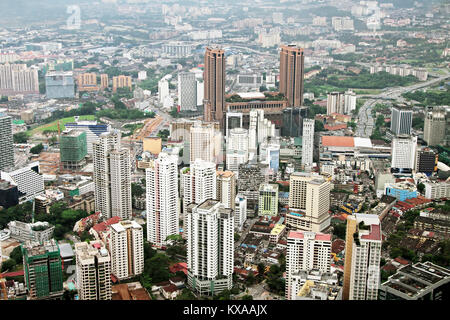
(162, 199)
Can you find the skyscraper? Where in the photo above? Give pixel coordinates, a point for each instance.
(210, 247)
(205, 143)
(43, 270)
(197, 184)
(291, 74)
(403, 153)
(233, 120)
(127, 249)
(59, 85)
(187, 91)
(335, 103)
(434, 127)
(112, 176)
(306, 251)
(401, 120)
(214, 85)
(226, 188)
(308, 142)
(93, 265)
(237, 148)
(362, 257)
(18, 79)
(162, 199)
(6, 147)
(309, 202)
(293, 121)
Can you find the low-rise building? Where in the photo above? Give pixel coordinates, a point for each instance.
(421, 281)
(38, 231)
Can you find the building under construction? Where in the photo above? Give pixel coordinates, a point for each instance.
(73, 149)
(43, 270)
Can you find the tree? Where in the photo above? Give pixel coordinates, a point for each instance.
(136, 190)
(37, 149)
(247, 297)
(16, 255)
(420, 187)
(186, 294)
(250, 279)
(157, 267)
(318, 126)
(8, 265)
(164, 134)
(20, 137)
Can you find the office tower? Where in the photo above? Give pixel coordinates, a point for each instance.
(362, 257)
(268, 200)
(293, 122)
(269, 153)
(43, 270)
(73, 149)
(162, 199)
(93, 264)
(403, 153)
(87, 82)
(237, 148)
(18, 79)
(28, 181)
(317, 216)
(434, 127)
(121, 82)
(59, 85)
(205, 143)
(187, 91)
(163, 89)
(306, 251)
(308, 142)
(6, 147)
(104, 81)
(291, 74)
(210, 247)
(126, 249)
(401, 119)
(349, 102)
(260, 129)
(226, 188)
(233, 120)
(93, 130)
(335, 103)
(112, 176)
(240, 211)
(309, 202)
(426, 161)
(214, 85)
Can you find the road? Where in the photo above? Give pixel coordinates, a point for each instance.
(366, 123)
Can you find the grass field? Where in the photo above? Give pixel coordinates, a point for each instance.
(367, 91)
(53, 126)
